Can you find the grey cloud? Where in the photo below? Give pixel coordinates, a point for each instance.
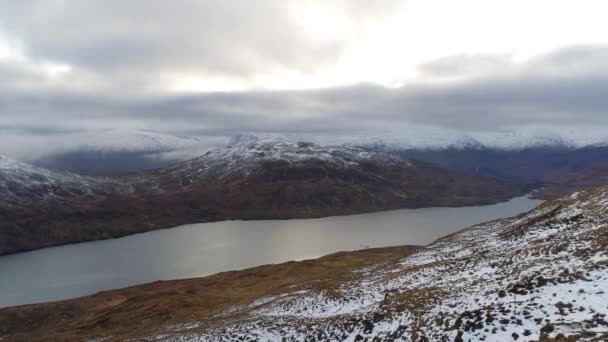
(487, 104)
(566, 88)
(143, 36)
(18, 76)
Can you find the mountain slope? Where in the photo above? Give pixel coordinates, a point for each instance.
(558, 168)
(528, 277)
(22, 183)
(256, 180)
(116, 151)
(306, 180)
(538, 276)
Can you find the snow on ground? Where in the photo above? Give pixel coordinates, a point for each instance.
(541, 274)
(25, 184)
(20, 181)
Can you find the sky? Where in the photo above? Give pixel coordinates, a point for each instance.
(411, 70)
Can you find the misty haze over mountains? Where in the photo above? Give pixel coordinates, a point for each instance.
(510, 156)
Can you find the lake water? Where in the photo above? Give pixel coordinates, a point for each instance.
(202, 249)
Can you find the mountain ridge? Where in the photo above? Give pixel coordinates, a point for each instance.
(262, 179)
(125, 150)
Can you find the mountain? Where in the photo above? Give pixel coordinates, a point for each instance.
(514, 156)
(568, 182)
(102, 162)
(435, 138)
(22, 184)
(557, 168)
(258, 179)
(539, 276)
(119, 151)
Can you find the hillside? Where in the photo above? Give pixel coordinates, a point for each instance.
(259, 179)
(556, 168)
(115, 151)
(538, 276)
(568, 182)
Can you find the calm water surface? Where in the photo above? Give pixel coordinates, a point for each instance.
(202, 249)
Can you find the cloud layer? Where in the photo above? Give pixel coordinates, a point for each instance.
(72, 67)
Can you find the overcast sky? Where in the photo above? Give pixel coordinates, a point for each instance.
(324, 68)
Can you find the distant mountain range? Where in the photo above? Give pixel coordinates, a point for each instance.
(553, 170)
(121, 150)
(250, 179)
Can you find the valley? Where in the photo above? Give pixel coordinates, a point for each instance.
(540, 275)
(202, 249)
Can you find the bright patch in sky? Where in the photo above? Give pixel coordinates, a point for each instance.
(388, 50)
(56, 69)
(9, 48)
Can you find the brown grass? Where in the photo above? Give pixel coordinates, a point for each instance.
(140, 310)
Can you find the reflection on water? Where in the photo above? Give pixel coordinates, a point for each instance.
(202, 249)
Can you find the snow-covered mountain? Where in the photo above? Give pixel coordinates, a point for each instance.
(136, 140)
(22, 183)
(437, 138)
(117, 151)
(249, 156)
(122, 150)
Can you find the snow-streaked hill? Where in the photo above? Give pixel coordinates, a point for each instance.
(22, 183)
(248, 157)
